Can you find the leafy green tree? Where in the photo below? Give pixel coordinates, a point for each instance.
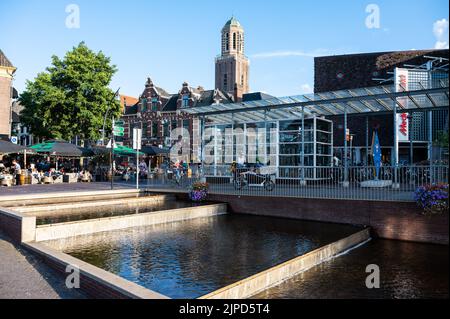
(71, 97)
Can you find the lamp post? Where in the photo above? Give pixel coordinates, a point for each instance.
(106, 115)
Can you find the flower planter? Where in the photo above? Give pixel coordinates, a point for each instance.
(198, 195)
(433, 199)
(198, 192)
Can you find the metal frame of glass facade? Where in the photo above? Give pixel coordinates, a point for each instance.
(380, 99)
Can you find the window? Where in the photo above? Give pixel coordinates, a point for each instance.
(144, 129)
(227, 42)
(166, 132)
(155, 104)
(144, 105)
(234, 41)
(242, 79)
(185, 101)
(154, 129)
(225, 82)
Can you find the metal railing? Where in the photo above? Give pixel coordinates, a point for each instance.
(393, 184)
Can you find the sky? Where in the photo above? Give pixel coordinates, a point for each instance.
(173, 41)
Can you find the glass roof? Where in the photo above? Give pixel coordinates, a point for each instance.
(354, 101)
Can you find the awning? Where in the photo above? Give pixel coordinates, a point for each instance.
(355, 101)
(61, 148)
(7, 147)
(119, 150)
(153, 150)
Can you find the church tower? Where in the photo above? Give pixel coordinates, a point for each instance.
(232, 66)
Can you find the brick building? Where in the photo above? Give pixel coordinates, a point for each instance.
(332, 73)
(158, 113)
(7, 71)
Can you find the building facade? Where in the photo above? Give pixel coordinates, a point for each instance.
(232, 66)
(7, 71)
(366, 70)
(159, 113)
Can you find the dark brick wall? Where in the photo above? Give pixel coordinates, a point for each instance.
(382, 123)
(358, 70)
(390, 220)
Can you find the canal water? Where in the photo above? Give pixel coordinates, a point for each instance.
(86, 213)
(407, 270)
(192, 258)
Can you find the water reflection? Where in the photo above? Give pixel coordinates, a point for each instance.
(407, 270)
(192, 258)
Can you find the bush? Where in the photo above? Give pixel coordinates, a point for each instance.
(433, 199)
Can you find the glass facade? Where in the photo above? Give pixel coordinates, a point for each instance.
(276, 144)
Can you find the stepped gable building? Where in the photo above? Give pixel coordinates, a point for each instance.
(7, 71)
(159, 112)
(232, 66)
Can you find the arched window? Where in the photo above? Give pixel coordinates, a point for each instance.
(227, 42)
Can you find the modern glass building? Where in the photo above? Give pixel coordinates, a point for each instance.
(278, 145)
(293, 136)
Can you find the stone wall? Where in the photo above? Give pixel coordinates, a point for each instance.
(389, 220)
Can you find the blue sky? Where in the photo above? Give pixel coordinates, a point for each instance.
(174, 41)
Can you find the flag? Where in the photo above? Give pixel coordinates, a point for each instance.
(376, 153)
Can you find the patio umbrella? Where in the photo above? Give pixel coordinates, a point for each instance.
(61, 148)
(118, 150)
(153, 150)
(7, 147)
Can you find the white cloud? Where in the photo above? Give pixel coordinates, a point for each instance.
(281, 54)
(440, 31)
(306, 88)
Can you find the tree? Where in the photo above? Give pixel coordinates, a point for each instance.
(442, 139)
(71, 97)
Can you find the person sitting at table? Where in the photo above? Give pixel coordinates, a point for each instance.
(85, 176)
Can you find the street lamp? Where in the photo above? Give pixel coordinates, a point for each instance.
(106, 115)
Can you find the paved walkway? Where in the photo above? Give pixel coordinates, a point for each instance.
(53, 188)
(25, 276)
(405, 193)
